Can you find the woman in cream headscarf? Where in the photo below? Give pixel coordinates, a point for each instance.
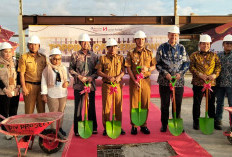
(9, 90)
(54, 85)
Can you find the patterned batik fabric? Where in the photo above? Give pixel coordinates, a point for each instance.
(206, 63)
(225, 77)
(172, 60)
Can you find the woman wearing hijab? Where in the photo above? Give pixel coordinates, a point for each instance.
(9, 86)
(54, 85)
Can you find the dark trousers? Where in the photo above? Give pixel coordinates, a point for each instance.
(79, 102)
(165, 95)
(8, 106)
(197, 97)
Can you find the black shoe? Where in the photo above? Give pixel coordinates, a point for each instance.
(95, 131)
(217, 127)
(145, 130)
(76, 134)
(133, 131)
(163, 129)
(183, 131)
(123, 132)
(195, 126)
(104, 133)
(62, 132)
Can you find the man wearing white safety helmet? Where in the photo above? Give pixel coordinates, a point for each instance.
(204, 66)
(172, 61)
(142, 57)
(31, 66)
(111, 68)
(82, 68)
(224, 81)
(54, 85)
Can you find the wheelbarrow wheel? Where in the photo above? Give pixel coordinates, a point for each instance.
(228, 137)
(49, 146)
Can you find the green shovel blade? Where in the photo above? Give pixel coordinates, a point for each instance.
(113, 129)
(85, 128)
(206, 125)
(175, 126)
(138, 116)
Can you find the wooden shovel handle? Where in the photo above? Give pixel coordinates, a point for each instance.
(114, 103)
(140, 93)
(174, 99)
(206, 101)
(86, 103)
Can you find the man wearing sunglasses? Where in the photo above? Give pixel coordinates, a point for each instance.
(224, 81)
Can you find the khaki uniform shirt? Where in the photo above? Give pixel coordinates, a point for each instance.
(32, 66)
(206, 63)
(110, 65)
(144, 58)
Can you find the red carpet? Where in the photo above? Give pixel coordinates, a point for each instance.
(154, 92)
(183, 144)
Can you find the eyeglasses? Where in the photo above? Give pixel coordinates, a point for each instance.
(228, 42)
(57, 59)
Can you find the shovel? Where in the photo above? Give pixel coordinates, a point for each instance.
(139, 115)
(175, 125)
(206, 124)
(85, 128)
(113, 128)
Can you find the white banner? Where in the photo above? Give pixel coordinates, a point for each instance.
(65, 37)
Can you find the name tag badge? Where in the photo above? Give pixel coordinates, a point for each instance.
(11, 81)
(13, 93)
(58, 84)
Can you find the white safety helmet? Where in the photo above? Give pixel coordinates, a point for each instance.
(228, 38)
(205, 38)
(140, 34)
(174, 29)
(55, 51)
(5, 45)
(34, 40)
(111, 42)
(84, 37)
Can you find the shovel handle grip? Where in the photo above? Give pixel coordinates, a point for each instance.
(137, 69)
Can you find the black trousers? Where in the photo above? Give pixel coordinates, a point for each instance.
(165, 95)
(8, 106)
(79, 102)
(197, 98)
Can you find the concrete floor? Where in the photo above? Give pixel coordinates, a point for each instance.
(216, 144)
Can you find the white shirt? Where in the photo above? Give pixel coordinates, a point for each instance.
(54, 92)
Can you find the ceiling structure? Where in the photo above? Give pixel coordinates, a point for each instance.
(190, 26)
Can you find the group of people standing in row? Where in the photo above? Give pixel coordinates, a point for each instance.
(46, 80)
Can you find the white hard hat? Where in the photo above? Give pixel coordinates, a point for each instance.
(228, 38)
(111, 42)
(84, 37)
(140, 34)
(205, 38)
(34, 40)
(5, 45)
(174, 29)
(55, 51)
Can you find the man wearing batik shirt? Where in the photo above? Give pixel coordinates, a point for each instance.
(224, 81)
(205, 66)
(82, 68)
(172, 60)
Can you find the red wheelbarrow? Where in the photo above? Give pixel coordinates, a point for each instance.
(30, 125)
(228, 133)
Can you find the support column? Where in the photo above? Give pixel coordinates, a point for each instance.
(22, 46)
